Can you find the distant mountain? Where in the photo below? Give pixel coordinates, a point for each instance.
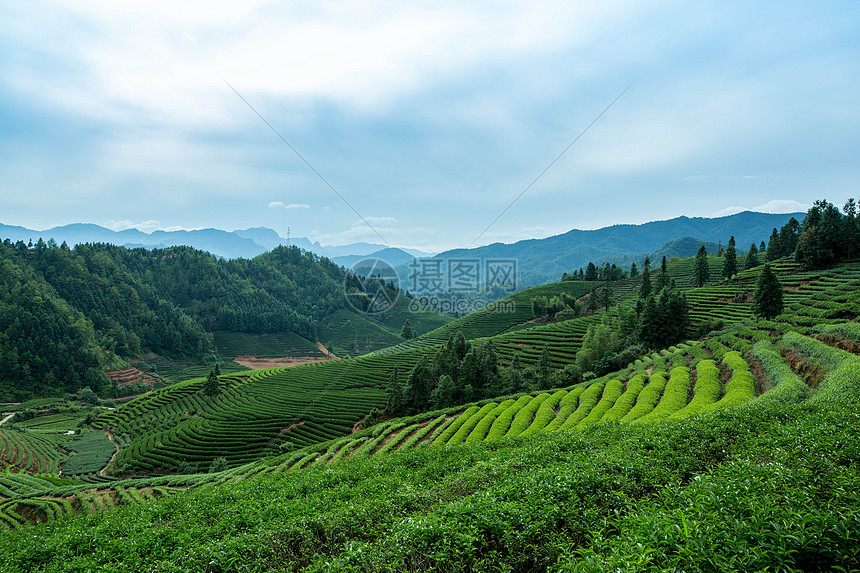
(688, 247)
(394, 257)
(544, 260)
(243, 243)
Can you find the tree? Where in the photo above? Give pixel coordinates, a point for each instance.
(663, 279)
(752, 257)
(774, 247)
(396, 398)
(730, 262)
(645, 289)
(419, 386)
(767, 300)
(212, 387)
(606, 297)
(218, 465)
(406, 333)
(590, 272)
(664, 321)
(788, 235)
(634, 272)
(443, 394)
(701, 272)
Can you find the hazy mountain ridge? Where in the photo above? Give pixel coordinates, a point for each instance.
(241, 243)
(543, 260)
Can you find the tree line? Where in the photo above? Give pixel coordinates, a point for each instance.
(64, 312)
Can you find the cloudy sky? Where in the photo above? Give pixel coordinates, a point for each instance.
(428, 118)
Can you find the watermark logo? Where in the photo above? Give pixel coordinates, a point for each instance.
(371, 286)
(462, 275)
(460, 285)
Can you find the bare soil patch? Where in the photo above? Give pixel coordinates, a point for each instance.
(762, 384)
(799, 364)
(130, 375)
(257, 363)
(839, 342)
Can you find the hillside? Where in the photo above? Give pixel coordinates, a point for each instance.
(69, 313)
(515, 491)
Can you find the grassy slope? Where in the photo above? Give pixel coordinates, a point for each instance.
(769, 484)
(532, 503)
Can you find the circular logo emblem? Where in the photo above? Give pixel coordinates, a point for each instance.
(371, 286)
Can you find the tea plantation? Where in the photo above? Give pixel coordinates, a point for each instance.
(734, 452)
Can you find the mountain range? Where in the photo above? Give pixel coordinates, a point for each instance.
(538, 260)
(243, 243)
(544, 260)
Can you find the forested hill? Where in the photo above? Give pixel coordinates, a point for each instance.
(544, 260)
(64, 312)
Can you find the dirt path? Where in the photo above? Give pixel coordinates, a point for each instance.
(7, 417)
(112, 458)
(326, 351)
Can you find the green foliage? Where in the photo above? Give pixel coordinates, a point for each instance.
(741, 386)
(788, 387)
(730, 262)
(664, 321)
(611, 392)
(525, 416)
(850, 330)
(740, 489)
(702, 271)
(767, 300)
(625, 402)
(211, 387)
(90, 453)
(674, 396)
(266, 344)
(449, 432)
(406, 332)
(706, 391)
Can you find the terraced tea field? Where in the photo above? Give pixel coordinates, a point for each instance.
(265, 345)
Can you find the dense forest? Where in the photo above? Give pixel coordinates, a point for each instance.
(65, 311)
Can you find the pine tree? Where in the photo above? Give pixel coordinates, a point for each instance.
(730, 262)
(752, 257)
(211, 387)
(663, 279)
(634, 272)
(701, 272)
(774, 248)
(396, 398)
(767, 300)
(645, 289)
(606, 297)
(406, 333)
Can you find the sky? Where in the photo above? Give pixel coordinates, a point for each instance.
(420, 122)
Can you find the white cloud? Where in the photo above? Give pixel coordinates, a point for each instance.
(357, 55)
(145, 226)
(280, 204)
(781, 206)
(375, 221)
(777, 206)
